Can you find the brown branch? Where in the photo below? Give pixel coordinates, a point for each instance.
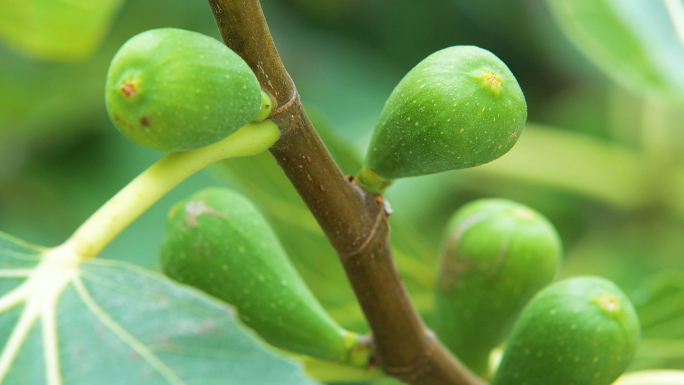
(353, 221)
(244, 29)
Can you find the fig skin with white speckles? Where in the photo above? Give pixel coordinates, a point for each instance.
(174, 90)
(460, 107)
(496, 255)
(218, 242)
(579, 331)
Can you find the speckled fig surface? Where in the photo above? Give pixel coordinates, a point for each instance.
(460, 107)
(496, 255)
(175, 90)
(218, 242)
(579, 331)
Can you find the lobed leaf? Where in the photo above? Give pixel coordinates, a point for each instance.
(104, 322)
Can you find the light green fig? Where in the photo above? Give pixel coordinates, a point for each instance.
(460, 107)
(579, 331)
(497, 254)
(174, 90)
(218, 242)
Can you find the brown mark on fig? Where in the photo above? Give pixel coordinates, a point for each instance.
(123, 122)
(453, 268)
(196, 208)
(144, 121)
(514, 134)
(494, 81)
(128, 88)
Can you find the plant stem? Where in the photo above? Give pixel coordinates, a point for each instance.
(327, 371)
(249, 37)
(652, 377)
(142, 192)
(372, 182)
(351, 218)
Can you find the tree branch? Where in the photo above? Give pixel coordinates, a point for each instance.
(353, 221)
(244, 29)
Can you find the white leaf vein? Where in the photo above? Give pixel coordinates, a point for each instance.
(143, 351)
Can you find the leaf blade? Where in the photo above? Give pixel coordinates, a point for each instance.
(57, 30)
(633, 42)
(106, 321)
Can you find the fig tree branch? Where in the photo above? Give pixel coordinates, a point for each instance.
(353, 221)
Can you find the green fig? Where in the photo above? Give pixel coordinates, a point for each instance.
(174, 90)
(579, 331)
(460, 107)
(218, 242)
(496, 255)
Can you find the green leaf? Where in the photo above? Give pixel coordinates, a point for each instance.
(57, 30)
(660, 305)
(637, 43)
(112, 322)
(546, 155)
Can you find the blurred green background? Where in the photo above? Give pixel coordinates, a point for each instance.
(601, 156)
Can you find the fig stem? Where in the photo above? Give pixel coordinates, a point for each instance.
(359, 349)
(355, 364)
(147, 188)
(265, 109)
(371, 181)
(328, 371)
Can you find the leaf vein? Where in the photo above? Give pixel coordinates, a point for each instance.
(137, 346)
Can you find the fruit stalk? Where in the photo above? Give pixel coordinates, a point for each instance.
(353, 221)
(146, 189)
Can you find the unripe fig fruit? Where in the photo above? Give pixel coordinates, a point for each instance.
(460, 107)
(175, 90)
(218, 242)
(496, 255)
(579, 331)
